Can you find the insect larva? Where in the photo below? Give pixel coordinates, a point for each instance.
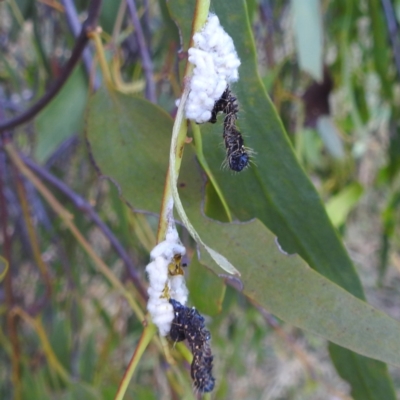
(189, 324)
(237, 155)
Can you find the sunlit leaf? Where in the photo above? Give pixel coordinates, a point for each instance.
(339, 206)
(307, 24)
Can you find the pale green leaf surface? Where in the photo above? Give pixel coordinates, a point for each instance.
(339, 206)
(63, 117)
(125, 136)
(330, 135)
(277, 191)
(307, 24)
(283, 284)
(206, 290)
(291, 290)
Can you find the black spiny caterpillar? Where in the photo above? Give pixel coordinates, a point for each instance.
(189, 324)
(237, 155)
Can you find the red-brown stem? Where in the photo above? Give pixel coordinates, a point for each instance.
(11, 319)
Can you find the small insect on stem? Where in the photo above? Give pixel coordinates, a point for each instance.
(175, 266)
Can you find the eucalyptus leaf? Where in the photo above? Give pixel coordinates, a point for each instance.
(63, 117)
(282, 284)
(206, 289)
(307, 24)
(276, 190)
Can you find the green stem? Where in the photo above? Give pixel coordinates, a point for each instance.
(148, 333)
(95, 35)
(198, 145)
(180, 129)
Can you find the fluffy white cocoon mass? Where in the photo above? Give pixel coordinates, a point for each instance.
(216, 64)
(179, 291)
(162, 286)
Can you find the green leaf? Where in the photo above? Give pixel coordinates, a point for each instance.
(290, 289)
(308, 34)
(283, 284)
(118, 128)
(129, 139)
(34, 385)
(381, 50)
(339, 206)
(206, 290)
(330, 135)
(282, 197)
(63, 117)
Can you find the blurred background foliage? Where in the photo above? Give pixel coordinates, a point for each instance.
(66, 332)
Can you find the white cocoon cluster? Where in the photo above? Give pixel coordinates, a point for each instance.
(161, 311)
(216, 64)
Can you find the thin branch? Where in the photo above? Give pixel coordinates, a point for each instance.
(11, 321)
(147, 335)
(393, 29)
(84, 206)
(88, 26)
(39, 304)
(67, 219)
(144, 52)
(76, 28)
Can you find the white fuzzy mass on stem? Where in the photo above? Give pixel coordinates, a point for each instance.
(216, 64)
(162, 285)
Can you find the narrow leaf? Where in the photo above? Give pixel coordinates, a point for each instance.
(307, 23)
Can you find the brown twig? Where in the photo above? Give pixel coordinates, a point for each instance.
(11, 319)
(38, 305)
(84, 206)
(88, 26)
(76, 27)
(144, 52)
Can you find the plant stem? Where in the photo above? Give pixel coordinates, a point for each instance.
(95, 35)
(180, 127)
(47, 349)
(147, 334)
(82, 205)
(67, 219)
(80, 44)
(34, 243)
(11, 320)
(147, 63)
